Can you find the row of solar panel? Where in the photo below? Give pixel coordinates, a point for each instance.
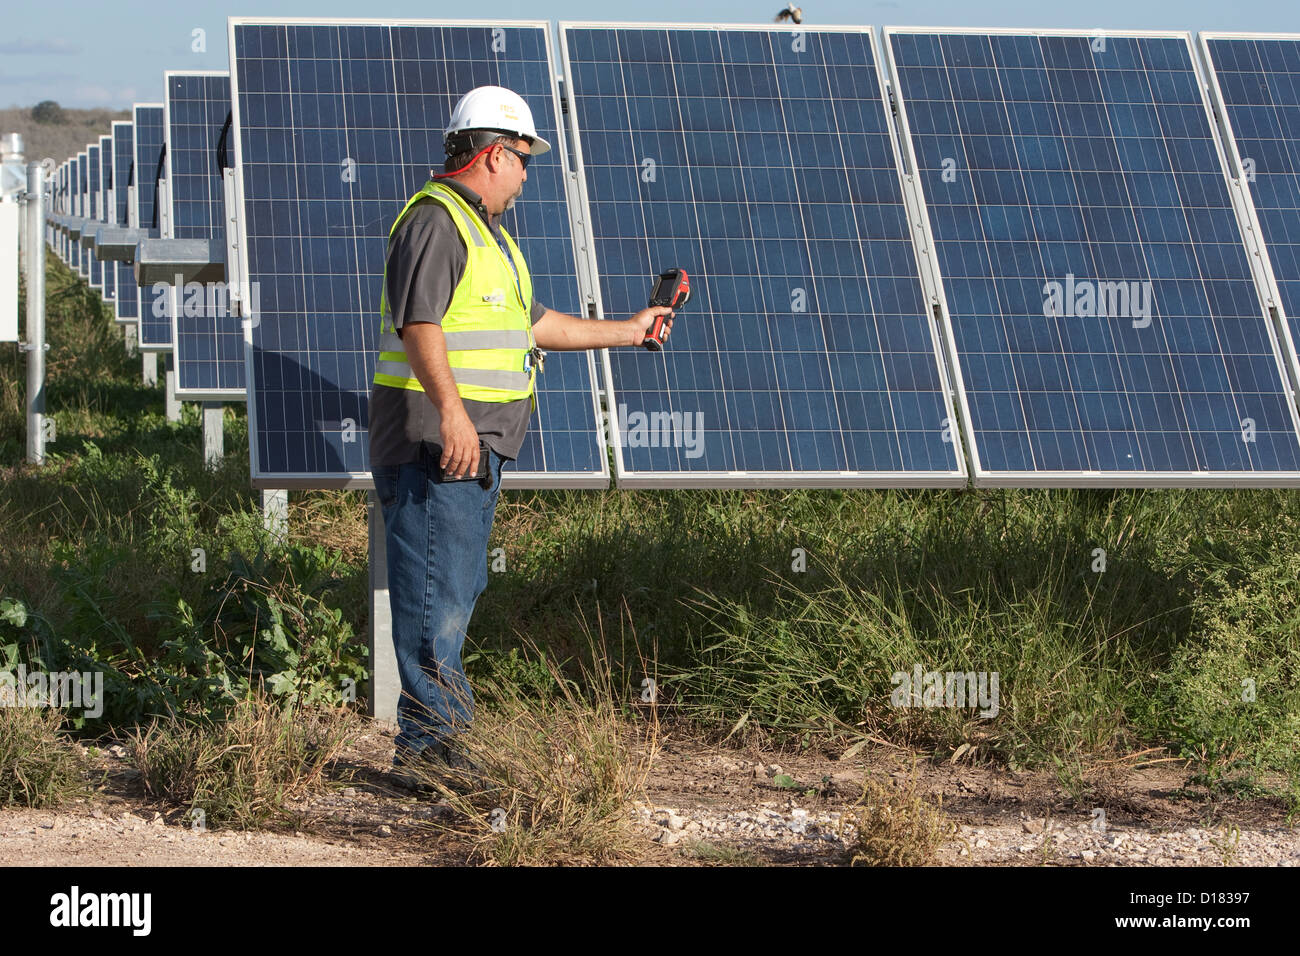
(175, 148)
(1091, 302)
(97, 185)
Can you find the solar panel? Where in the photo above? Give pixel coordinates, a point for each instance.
(74, 205)
(127, 304)
(94, 207)
(1106, 323)
(56, 203)
(83, 267)
(108, 270)
(60, 202)
(208, 336)
(60, 207)
(65, 207)
(1256, 78)
(93, 171)
(807, 355)
(79, 261)
(155, 321)
(336, 125)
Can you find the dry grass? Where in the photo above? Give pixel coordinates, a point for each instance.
(38, 767)
(331, 519)
(720, 854)
(895, 826)
(240, 772)
(558, 773)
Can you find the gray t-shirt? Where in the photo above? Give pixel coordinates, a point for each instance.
(426, 260)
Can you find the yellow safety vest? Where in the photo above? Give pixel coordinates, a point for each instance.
(488, 326)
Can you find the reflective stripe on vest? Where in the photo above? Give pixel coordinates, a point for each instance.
(483, 339)
(488, 331)
(487, 378)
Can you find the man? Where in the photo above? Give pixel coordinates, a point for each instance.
(460, 345)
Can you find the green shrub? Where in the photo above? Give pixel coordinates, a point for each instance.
(1229, 699)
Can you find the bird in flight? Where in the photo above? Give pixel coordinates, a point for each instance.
(791, 12)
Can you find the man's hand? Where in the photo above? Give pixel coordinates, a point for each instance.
(426, 350)
(459, 445)
(641, 322)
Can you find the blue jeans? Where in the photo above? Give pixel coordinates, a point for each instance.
(436, 540)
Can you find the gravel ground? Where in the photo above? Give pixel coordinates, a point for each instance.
(703, 805)
(80, 838)
(810, 834)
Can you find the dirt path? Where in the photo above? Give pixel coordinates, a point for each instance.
(705, 805)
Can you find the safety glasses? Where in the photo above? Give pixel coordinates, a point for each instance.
(523, 157)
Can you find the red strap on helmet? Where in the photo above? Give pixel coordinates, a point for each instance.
(453, 172)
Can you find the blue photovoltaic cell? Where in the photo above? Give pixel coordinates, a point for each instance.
(60, 182)
(1259, 79)
(60, 205)
(93, 171)
(65, 242)
(1055, 168)
(95, 206)
(79, 260)
(65, 208)
(74, 196)
(210, 345)
(128, 295)
(108, 272)
(338, 125)
(155, 322)
(806, 349)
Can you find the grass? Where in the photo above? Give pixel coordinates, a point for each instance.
(745, 638)
(895, 826)
(559, 769)
(39, 768)
(1225, 843)
(719, 854)
(242, 771)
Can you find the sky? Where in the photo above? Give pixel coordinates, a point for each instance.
(95, 54)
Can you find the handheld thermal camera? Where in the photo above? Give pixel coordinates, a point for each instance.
(673, 290)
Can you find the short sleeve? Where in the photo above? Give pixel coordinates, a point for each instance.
(426, 260)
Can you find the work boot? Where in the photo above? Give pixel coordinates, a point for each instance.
(416, 770)
(464, 772)
(438, 762)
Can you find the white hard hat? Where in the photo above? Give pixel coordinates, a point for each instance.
(498, 109)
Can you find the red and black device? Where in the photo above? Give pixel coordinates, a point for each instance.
(672, 290)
